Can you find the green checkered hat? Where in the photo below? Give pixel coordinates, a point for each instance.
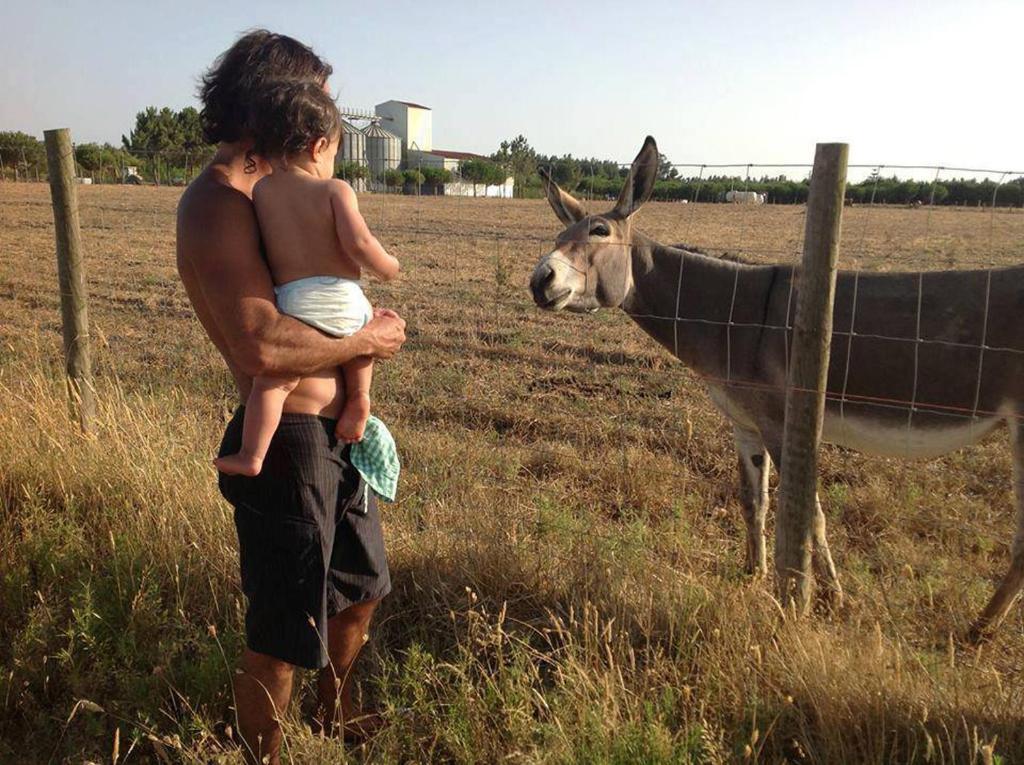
(376, 458)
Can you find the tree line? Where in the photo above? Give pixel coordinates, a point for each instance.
(599, 178)
(167, 146)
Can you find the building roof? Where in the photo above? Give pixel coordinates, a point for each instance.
(374, 130)
(409, 103)
(455, 154)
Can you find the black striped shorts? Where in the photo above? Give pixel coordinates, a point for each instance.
(309, 538)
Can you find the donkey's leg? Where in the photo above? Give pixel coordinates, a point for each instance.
(754, 467)
(830, 592)
(1009, 587)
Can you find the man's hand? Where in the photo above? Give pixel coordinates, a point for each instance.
(385, 333)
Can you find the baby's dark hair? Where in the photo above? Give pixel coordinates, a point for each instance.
(288, 115)
(240, 73)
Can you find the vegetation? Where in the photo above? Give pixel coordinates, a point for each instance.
(603, 178)
(352, 171)
(436, 176)
(414, 177)
(566, 547)
(23, 156)
(167, 147)
(393, 178)
(483, 172)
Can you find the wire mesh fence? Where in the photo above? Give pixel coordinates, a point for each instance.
(481, 357)
(481, 251)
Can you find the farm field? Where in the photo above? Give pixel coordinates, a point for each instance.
(567, 548)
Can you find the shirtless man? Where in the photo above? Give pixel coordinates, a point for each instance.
(310, 542)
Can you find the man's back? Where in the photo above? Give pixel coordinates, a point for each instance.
(208, 206)
(230, 287)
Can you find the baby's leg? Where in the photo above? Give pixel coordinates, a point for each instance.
(262, 416)
(358, 376)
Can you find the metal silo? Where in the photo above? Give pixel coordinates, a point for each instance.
(352, 150)
(353, 143)
(383, 152)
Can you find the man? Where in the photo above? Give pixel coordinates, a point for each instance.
(310, 542)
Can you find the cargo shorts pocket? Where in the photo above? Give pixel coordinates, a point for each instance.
(282, 562)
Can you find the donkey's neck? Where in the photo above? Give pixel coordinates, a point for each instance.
(682, 300)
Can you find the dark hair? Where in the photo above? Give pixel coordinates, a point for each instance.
(239, 74)
(287, 116)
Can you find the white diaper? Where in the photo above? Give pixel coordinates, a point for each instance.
(332, 304)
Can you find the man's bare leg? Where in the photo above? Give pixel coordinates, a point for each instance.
(358, 378)
(263, 688)
(347, 633)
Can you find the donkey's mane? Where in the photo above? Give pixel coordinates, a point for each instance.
(731, 257)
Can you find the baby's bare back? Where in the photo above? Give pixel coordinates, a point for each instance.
(297, 224)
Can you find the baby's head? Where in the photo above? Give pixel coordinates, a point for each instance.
(293, 120)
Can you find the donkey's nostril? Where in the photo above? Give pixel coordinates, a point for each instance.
(548, 277)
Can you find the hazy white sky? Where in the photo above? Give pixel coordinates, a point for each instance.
(902, 82)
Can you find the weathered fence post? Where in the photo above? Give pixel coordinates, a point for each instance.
(73, 298)
(808, 373)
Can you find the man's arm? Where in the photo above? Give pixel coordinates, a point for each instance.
(355, 236)
(218, 240)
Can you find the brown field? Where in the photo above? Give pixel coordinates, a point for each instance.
(567, 547)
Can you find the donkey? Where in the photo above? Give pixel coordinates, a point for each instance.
(921, 363)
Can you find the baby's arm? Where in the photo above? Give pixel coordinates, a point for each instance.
(355, 237)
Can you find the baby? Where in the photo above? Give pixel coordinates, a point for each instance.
(316, 245)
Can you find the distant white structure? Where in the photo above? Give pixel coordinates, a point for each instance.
(462, 188)
(413, 123)
(745, 197)
(402, 134)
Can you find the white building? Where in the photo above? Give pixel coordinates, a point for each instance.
(411, 122)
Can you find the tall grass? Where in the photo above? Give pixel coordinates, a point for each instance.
(518, 630)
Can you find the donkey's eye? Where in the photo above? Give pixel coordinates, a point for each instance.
(599, 229)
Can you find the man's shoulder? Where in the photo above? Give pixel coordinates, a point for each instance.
(208, 200)
(213, 216)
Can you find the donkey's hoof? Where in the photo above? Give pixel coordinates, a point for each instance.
(980, 633)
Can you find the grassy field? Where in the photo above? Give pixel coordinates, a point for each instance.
(567, 547)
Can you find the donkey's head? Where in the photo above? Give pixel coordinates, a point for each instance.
(591, 265)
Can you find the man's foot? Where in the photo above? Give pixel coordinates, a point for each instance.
(363, 728)
(353, 418)
(239, 464)
(355, 731)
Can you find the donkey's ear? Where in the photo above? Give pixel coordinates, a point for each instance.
(640, 181)
(566, 206)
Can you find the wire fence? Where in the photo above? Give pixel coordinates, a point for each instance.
(477, 254)
(482, 249)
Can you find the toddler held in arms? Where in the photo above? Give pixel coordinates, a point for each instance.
(317, 244)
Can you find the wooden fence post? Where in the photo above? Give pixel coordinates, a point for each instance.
(808, 373)
(73, 297)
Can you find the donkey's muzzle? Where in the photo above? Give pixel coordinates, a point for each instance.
(540, 283)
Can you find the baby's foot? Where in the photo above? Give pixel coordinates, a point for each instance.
(353, 418)
(239, 464)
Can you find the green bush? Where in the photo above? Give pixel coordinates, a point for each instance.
(413, 177)
(351, 171)
(435, 176)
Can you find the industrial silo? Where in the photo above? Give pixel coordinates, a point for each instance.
(352, 153)
(383, 153)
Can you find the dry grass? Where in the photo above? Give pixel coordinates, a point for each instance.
(567, 547)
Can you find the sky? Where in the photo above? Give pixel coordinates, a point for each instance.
(935, 83)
